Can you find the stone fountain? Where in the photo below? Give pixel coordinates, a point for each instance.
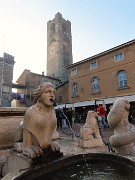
(70, 152)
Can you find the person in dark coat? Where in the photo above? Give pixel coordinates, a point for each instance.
(59, 117)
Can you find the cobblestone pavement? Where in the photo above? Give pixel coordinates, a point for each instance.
(69, 144)
(69, 139)
(67, 132)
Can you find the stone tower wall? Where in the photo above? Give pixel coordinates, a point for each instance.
(59, 47)
(6, 77)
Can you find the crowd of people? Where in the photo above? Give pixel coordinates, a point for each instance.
(65, 117)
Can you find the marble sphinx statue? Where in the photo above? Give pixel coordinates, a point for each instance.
(123, 140)
(89, 133)
(39, 124)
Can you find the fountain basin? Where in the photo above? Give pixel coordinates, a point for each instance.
(47, 171)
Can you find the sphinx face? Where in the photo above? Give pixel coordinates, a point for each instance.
(47, 96)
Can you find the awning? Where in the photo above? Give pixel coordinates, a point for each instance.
(78, 104)
(63, 105)
(130, 98)
(84, 103)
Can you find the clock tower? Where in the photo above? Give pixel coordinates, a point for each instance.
(59, 47)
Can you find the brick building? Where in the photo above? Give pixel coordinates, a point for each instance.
(107, 75)
(29, 81)
(62, 94)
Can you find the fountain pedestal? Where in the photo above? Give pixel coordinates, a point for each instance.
(17, 161)
(89, 134)
(90, 143)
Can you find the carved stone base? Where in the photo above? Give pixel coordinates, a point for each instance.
(128, 149)
(90, 143)
(17, 161)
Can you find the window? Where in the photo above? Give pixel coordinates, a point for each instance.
(73, 72)
(95, 85)
(119, 56)
(122, 79)
(52, 32)
(93, 65)
(64, 30)
(75, 90)
(6, 89)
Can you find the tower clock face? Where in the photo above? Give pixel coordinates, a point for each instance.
(52, 50)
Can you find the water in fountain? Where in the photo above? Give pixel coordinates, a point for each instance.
(73, 133)
(96, 170)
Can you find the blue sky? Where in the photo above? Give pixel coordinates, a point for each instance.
(96, 25)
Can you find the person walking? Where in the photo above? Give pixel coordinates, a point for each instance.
(101, 110)
(59, 118)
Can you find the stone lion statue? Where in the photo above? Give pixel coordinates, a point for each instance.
(39, 124)
(124, 132)
(89, 133)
